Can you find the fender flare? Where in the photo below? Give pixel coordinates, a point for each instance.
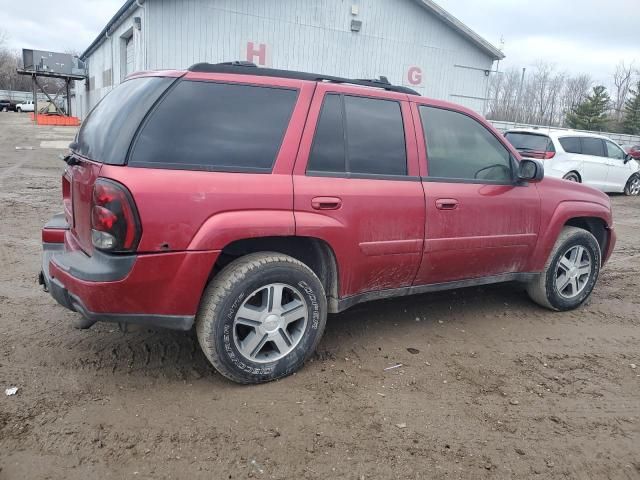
(565, 211)
(223, 228)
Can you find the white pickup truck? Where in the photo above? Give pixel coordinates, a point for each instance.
(25, 107)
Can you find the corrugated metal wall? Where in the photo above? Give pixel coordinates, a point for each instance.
(398, 39)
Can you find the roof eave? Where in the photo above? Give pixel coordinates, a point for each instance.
(113, 23)
(456, 24)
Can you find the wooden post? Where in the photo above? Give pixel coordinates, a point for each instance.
(35, 99)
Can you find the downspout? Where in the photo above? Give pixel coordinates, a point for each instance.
(110, 37)
(140, 4)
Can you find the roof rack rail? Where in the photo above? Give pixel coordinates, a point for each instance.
(248, 68)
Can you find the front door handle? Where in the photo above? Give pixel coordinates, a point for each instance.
(326, 203)
(446, 204)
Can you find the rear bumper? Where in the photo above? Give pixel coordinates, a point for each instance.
(158, 290)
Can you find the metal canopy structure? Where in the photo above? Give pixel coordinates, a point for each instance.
(51, 65)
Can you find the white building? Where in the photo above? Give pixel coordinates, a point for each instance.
(411, 42)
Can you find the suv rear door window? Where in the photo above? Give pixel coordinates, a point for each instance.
(107, 132)
(592, 146)
(460, 148)
(215, 126)
(327, 153)
(374, 134)
(571, 144)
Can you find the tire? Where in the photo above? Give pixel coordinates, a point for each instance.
(19, 110)
(572, 177)
(545, 290)
(632, 188)
(230, 342)
(5, 109)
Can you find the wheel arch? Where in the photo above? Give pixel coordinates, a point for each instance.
(576, 172)
(594, 225)
(316, 253)
(591, 216)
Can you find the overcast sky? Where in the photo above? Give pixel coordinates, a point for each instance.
(578, 36)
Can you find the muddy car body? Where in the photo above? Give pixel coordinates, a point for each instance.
(251, 202)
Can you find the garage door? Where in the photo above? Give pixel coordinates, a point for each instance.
(129, 48)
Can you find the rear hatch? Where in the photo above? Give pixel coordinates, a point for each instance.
(105, 137)
(532, 145)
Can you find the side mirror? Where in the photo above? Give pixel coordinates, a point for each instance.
(530, 170)
(627, 158)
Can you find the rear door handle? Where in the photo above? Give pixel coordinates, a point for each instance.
(326, 203)
(446, 204)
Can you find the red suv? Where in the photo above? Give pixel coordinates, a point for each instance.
(251, 202)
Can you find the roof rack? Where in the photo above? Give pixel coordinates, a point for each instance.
(248, 68)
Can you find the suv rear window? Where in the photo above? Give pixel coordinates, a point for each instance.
(215, 126)
(107, 132)
(530, 142)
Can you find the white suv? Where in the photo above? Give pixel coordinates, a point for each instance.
(591, 159)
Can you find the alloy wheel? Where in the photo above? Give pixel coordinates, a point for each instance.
(573, 272)
(634, 186)
(270, 323)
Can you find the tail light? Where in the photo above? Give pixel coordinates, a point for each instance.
(115, 225)
(539, 154)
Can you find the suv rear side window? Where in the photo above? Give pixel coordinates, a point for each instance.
(592, 146)
(375, 143)
(530, 142)
(215, 126)
(571, 144)
(460, 148)
(107, 132)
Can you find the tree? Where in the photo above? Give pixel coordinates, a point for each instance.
(623, 80)
(592, 113)
(632, 112)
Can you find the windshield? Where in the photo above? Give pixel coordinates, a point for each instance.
(530, 142)
(107, 132)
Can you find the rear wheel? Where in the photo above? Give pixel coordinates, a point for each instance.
(632, 188)
(572, 177)
(19, 110)
(261, 317)
(570, 273)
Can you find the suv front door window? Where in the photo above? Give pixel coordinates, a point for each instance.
(480, 222)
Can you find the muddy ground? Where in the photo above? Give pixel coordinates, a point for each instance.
(499, 388)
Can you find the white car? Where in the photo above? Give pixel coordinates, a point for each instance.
(25, 107)
(587, 158)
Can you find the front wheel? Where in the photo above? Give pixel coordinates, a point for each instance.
(572, 177)
(19, 110)
(570, 273)
(261, 317)
(632, 188)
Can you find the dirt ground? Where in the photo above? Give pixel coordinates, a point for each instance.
(493, 387)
